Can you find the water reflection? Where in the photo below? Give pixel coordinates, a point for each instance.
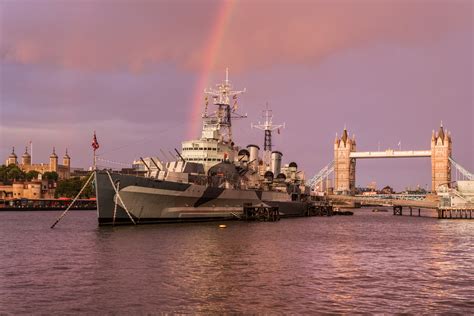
(368, 263)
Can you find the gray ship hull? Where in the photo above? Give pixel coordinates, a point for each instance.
(153, 201)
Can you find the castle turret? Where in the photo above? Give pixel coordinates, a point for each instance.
(53, 161)
(12, 159)
(440, 153)
(67, 160)
(344, 166)
(26, 158)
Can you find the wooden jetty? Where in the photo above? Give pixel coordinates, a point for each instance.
(455, 213)
(398, 210)
(319, 208)
(260, 212)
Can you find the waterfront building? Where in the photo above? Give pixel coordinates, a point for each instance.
(63, 170)
(80, 173)
(36, 189)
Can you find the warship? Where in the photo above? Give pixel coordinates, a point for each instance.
(211, 179)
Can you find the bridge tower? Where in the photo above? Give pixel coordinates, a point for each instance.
(344, 165)
(440, 153)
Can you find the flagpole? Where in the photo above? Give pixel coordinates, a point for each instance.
(94, 157)
(95, 146)
(94, 162)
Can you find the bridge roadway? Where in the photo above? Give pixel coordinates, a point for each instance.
(390, 153)
(427, 203)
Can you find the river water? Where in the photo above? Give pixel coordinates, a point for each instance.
(366, 263)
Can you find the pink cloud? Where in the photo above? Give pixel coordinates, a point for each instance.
(106, 35)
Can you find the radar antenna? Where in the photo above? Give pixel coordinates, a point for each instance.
(268, 127)
(221, 118)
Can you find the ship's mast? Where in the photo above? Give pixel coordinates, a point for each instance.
(223, 115)
(267, 127)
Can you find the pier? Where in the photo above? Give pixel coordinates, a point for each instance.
(46, 204)
(463, 211)
(398, 210)
(455, 213)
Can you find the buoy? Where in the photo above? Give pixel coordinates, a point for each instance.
(222, 226)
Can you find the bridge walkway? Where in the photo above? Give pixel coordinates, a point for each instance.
(429, 204)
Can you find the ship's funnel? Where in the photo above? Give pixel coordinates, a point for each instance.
(276, 162)
(253, 162)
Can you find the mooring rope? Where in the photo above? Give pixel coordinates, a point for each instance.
(73, 201)
(120, 198)
(115, 206)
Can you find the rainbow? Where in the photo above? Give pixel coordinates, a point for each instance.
(211, 51)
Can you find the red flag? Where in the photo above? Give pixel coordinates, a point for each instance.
(278, 130)
(95, 143)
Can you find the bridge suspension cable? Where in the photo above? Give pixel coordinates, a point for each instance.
(323, 173)
(461, 169)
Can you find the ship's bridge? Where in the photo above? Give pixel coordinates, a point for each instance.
(209, 152)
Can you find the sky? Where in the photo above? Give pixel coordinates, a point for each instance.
(134, 72)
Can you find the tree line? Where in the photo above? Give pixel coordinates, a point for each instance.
(64, 188)
(71, 187)
(11, 173)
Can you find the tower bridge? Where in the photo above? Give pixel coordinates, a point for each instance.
(390, 153)
(345, 156)
(343, 167)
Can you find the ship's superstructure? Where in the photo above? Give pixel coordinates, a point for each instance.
(268, 127)
(212, 177)
(216, 143)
